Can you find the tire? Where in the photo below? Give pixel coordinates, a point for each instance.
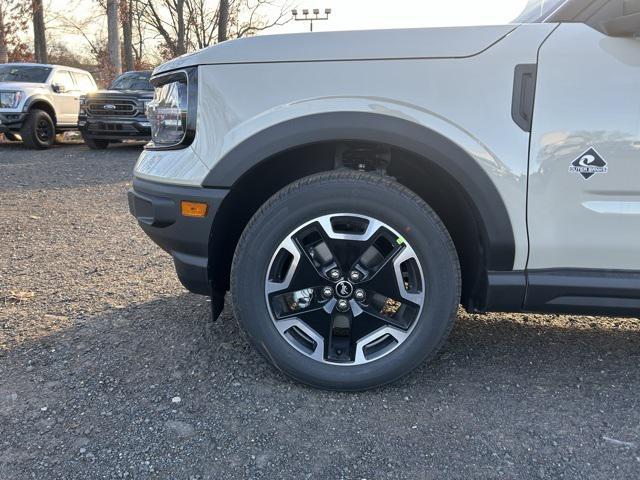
(38, 131)
(96, 143)
(322, 206)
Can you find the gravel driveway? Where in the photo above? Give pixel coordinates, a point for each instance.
(110, 369)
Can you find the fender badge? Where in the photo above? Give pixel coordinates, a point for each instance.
(588, 164)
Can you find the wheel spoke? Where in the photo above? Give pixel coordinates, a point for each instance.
(340, 339)
(378, 343)
(294, 272)
(389, 279)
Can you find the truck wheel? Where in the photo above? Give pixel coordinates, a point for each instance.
(346, 280)
(38, 131)
(96, 143)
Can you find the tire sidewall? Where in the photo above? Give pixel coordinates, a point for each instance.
(413, 220)
(30, 136)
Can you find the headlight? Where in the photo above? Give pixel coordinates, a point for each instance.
(10, 99)
(171, 113)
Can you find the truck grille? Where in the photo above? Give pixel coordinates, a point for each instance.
(107, 108)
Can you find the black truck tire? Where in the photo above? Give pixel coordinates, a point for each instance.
(38, 131)
(321, 207)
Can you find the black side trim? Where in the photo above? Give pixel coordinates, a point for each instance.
(400, 133)
(588, 292)
(524, 87)
(505, 292)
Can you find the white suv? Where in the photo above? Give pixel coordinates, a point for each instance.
(353, 188)
(37, 101)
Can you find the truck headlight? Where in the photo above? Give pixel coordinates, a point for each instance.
(171, 113)
(10, 99)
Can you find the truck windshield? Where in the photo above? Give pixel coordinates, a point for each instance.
(132, 81)
(23, 73)
(536, 11)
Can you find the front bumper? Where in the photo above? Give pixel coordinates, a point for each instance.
(118, 128)
(156, 206)
(11, 122)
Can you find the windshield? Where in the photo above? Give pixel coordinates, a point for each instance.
(538, 10)
(132, 81)
(21, 73)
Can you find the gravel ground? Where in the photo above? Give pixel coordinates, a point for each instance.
(110, 369)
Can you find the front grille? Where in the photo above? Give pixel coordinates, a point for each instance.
(112, 108)
(111, 127)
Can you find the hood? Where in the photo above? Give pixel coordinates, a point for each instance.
(117, 93)
(4, 86)
(450, 42)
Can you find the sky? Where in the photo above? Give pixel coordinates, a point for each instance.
(363, 14)
(359, 14)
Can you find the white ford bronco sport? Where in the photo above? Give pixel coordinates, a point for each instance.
(37, 101)
(351, 189)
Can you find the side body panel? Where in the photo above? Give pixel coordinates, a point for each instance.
(587, 100)
(467, 100)
(66, 103)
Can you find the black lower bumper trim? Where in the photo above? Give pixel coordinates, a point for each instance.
(114, 128)
(11, 122)
(156, 206)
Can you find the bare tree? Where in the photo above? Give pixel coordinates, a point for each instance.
(14, 20)
(126, 7)
(248, 17)
(4, 52)
(39, 32)
(223, 20)
(167, 17)
(113, 39)
(185, 25)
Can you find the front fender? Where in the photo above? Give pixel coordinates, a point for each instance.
(423, 133)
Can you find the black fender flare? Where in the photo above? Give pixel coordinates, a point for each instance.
(394, 131)
(37, 98)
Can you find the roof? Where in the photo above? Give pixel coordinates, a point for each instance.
(48, 65)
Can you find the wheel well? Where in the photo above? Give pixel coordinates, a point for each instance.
(45, 106)
(439, 189)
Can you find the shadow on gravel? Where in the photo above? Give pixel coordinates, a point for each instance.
(157, 388)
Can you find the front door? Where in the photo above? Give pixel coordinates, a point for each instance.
(66, 101)
(584, 171)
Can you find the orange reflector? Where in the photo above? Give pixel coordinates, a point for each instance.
(193, 209)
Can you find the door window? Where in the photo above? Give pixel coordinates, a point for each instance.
(84, 82)
(63, 78)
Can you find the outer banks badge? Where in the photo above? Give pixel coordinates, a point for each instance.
(588, 164)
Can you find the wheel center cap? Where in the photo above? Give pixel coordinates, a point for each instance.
(344, 289)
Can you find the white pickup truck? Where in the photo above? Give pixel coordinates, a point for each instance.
(352, 189)
(37, 101)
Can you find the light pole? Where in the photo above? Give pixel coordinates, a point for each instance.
(315, 16)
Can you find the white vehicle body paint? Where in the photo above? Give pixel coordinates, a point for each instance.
(588, 96)
(433, 92)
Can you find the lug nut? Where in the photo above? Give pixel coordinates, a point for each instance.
(327, 292)
(342, 305)
(359, 295)
(334, 274)
(355, 275)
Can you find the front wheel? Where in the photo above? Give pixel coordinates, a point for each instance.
(38, 131)
(346, 280)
